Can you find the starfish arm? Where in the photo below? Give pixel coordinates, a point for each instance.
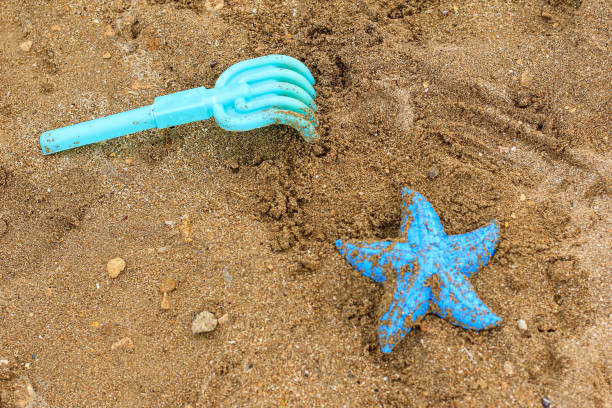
(365, 256)
(458, 302)
(418, 217)
(410, 303)
(473, 250)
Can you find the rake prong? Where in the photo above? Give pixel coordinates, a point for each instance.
(279, 61)
(283, 89)
(295, 120)
(253, 76)
(237, 122)
(284, 103)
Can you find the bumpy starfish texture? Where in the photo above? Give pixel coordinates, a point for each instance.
(428, 269)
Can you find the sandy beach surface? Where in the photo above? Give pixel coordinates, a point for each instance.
(490, 109)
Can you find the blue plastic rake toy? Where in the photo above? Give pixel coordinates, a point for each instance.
(275, 89)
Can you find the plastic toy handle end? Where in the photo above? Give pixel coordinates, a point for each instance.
(97, 130)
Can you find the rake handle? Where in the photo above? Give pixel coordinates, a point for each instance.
(168, 110)
(96, 130)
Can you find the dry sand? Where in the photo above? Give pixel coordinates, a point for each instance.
(491, 109)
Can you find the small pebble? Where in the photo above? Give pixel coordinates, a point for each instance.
(432, 173)
(522, 197)
(204, 322)
(55, 27)
(214, 5)
(546, 402)
(26, 45)
(185, 228)
(109, 32)
(165, 303)
(526, 78)
(106, 55)
(508, 368)
(115, 266)
(163, 249)
(124, 344)
(168, 285)
(223, 319)
(522, 325)
(234, 165)
(546, 15)
(20, 394)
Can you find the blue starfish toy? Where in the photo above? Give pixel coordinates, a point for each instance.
(426, 268)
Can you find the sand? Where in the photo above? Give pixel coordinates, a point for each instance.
(491, 109)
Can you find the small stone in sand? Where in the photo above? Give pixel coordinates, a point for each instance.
(508, 368)
(223, 319)
(20, 394)
(26, 45)
(234, 165)
(185, 228)
(214, 5)
(124, 344)
(106, 55)
(115, 266)
(522, 197)
(165, 303)
(522, 325)
(526, 78)
(204, 322)
(109, 32)
(432, 173)
(168, 285)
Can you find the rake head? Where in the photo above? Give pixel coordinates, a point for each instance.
(274, 89)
